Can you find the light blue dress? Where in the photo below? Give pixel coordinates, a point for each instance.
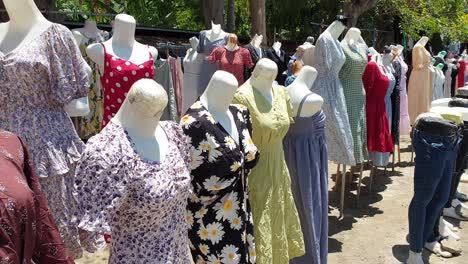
(207, 69)
(305, 150)
(329, 58)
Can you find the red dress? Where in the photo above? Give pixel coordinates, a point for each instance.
(376, 84)
(232, 61)
(461, 73)
(28, 233)
(119, 76)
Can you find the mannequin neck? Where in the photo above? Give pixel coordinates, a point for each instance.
(387, 59)
(90, 26)
(306, 77)
(422, 41)
(23, 14)
(124, 34)
(263, 85)
(135, 123)
(277, 47)
(216, 102)
(335, 29)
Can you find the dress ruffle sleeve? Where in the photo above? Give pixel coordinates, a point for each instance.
(69, 77)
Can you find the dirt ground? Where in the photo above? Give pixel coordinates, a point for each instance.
(373, 231)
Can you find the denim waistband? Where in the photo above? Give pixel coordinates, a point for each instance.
(438, 127)
(441, 143)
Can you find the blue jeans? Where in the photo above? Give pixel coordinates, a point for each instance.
(434, 167)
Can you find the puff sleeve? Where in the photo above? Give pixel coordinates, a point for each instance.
(68, 75)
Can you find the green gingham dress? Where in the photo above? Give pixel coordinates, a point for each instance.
(351, 79)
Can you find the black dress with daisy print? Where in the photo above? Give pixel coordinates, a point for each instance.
(218, 213)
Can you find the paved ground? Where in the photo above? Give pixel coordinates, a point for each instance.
(375, 231)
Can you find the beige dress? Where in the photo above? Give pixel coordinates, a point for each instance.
(420, 83)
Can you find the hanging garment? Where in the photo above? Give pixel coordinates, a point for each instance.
(36, 81)
(29, 233)
(453, 86)
(461, 73)
(118, 77)
(278, 235)
(379, 140)
(177, 81)
(420, 83)
(436, 151)
(220, 202)
(255, 53)
(193, 76)
(355, 96)
(163, 76)
(439, 80)
(388, 95)
(448, 80)
(404, 115)
(329, 58)
(89, 125)
(232, 61)
(205, 48)
(141, 203)
(280, 60)
(305, 149)
(395, 128)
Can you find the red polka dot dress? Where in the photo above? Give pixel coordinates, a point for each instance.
(119, 76)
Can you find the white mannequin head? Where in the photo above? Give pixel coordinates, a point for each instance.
(256, 40)
(220, 91)
(232, 42)
(308, 75)
(336, 28)
(215, 28)
(277, 45)
(352, 36)
(22, 9)
(147, 98)
(265, 70)
(300, 51)
(194, 43)
(124, 30)
(423, 41)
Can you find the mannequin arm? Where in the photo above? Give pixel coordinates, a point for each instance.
(154, 52)
(79, 107)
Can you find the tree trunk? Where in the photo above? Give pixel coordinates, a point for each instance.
(257, 12)
(213, 10)
(231, 16)
(355, 8)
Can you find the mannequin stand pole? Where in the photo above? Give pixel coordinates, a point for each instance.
(343, 187)
(371, 178)
(359, 183)
(393, 160)
(338, 177)
(399, 153)
(351, 173)
(412, 153)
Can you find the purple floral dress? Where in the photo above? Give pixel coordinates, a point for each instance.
(36, 80)
(139, 202)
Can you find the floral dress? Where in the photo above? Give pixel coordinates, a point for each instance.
(218, 213)
(141, 203)
(89, 125)
(28, 231)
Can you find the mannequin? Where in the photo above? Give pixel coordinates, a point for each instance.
(300, 88)
(26, 23)
(271, 115)
(216, 32)
(439, 81)
(192, 52)
(277, 48)
(217, 98)
(192, 75)
(140, 114)
(254, 48)
(298, 56)
(420, 85)
(387, 59)
(352, 37)
(122, 44)
(335, 29)
(276, 54)
(90, 30)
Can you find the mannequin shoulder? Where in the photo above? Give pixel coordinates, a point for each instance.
(153, 51)
(95, 51)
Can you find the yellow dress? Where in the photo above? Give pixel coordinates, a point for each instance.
(277, 230)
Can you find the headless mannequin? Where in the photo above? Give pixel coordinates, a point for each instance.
(256, 40)
(277, 48)
(387, 62)
(335, 29)
(300, 88)
(139, 116)
(422, 42)
(232, 42)
(122, 44)
(90, 30)
(263, 77)
(26, 23)
(352, 37)
(300, 52)
(192, 53)
(217, 98)
(216, 32)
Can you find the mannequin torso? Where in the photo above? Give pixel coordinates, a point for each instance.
(139, 115)
(25, 25)
(217, 98)
(277, 48)
(352, 38)
(122, 44)
(216, 32)
(192, 53)
(300, 88)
